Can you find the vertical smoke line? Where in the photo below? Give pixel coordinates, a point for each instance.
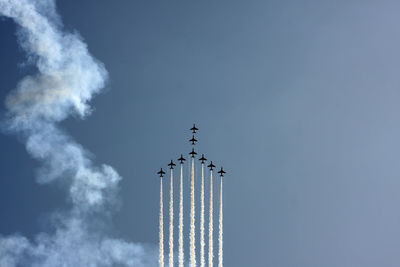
(192, 220)
(181, 219)
(161, 225)
(220, 237)
(202, 244)
(210, 225)
(171, 220)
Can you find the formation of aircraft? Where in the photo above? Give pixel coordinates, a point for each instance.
(192, 154)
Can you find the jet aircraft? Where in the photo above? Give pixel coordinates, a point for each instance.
(194, 129)
(193, 140)
(193, 153)
(161, 173)
(202, 159)
(222, 172)
(171, 165)
(181, 159)
(211, 166)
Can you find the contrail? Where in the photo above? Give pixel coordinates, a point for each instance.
(202, 244)
(220, 248)
(171, 221)
(192, 221)
(65, 80)
(161, 225)
(210, 225)
(181, 219)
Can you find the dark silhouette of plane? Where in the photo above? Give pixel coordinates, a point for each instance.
(202, 159)
(161, 172)
(192, 154)
(193, 140)
(171, 164)
(194, 129)
(211, 166)
(181, 159)
(222, 172)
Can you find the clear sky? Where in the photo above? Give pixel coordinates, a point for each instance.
(298, 100)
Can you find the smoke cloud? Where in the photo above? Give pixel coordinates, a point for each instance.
(67, 78)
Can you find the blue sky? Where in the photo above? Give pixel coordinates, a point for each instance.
(298, 101)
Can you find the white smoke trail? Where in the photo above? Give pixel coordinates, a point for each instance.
(220, 248)
(161, 258)
(67, 78)
(181, 262)
(192, 221)
(171, 221)
(210, 225)
(202, 243)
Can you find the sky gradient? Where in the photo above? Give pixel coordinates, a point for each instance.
(298, 101)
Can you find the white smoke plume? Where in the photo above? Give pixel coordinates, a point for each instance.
(211, 226)
(171, 221)
(192, 221)
(202, 243)
(67, 78)
(221, 230)
(181, 256)
(161, 258)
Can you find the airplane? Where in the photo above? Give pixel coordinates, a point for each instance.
(181, 159)
(171, 165)
(202, 159)
(161, 173)
(211, 166)
(192, 153)
(194, 129)
(193, 140)
(222, 172)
